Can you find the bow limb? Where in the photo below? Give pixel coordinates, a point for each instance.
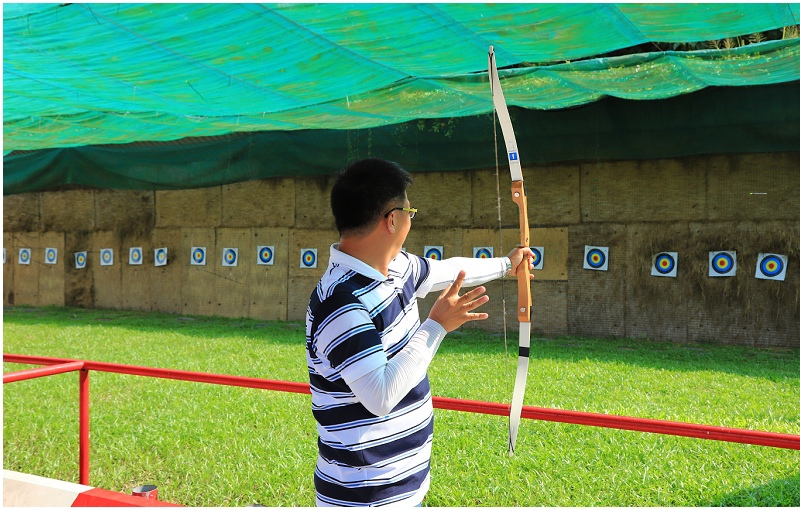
(519, 197)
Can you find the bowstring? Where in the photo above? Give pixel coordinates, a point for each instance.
(499, 226)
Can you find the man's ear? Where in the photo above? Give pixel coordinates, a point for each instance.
(390, 222)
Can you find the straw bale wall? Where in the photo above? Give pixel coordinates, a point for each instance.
(749, 203)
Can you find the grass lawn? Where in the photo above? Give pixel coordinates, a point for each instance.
(207, 445)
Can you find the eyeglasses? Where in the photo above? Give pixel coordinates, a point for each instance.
(410, 210)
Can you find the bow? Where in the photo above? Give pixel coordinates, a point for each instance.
(523, 279)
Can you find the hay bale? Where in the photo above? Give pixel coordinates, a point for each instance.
(741, 309)
(657, 307)
(450, 239)
(302, 238)
(79, 283)
(596, 299)
(553, 195)
(729, 188)
(198, 283)
(313, 202)
(131, 214)
(165, 281)
(259, 203)
(232, 288)
(136, 279)
(200, 208)
(269, 285)
(66, 211)
(549, 308)
(635, 191)
(8, 270)
(107, 280)
(443, 199)
(556, 246)
(51, 276)
(299, 292)
(21, 213)
(483, 191)
(26, 276)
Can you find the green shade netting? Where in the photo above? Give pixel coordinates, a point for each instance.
(83, 74)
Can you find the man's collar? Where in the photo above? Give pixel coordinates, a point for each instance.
(343, 259)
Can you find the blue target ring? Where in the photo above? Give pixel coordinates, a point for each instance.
(483, 253)
(664, 263)
(136, 255)
(80, 260)
(433, 253)
(105, 255)
(24, 256)
(309, 258)
(229, 256)
(161, 256)
(771, 266)
(722, 263)
(595, 258)
(265, 255)
(198, 256)
(51, 255)
(537, 256)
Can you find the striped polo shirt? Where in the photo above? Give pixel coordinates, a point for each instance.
(357, 319)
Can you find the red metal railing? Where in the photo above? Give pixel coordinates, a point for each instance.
(54, 366)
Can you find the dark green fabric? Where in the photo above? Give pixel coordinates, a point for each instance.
(713, 120)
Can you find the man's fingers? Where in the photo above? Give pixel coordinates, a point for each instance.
(456, 285)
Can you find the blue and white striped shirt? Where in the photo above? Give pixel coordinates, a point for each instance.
(356, 321)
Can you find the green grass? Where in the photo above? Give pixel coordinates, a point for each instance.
(207, 445)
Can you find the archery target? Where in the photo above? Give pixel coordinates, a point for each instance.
(722, 263)
(308, 258)
(595, 258)
(160, 256)
(771, 266)
(25, 256)
(51, 255)
(483, 252)
(230, 257)
(106, 257)
(198, 256)
(80, 260)
(665, 264)
(434, 252)
(135, 257)
(538, 257)
(266, 255)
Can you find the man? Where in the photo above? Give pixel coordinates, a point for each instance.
(366, 350)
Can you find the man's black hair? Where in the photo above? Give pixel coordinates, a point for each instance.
(364, 191)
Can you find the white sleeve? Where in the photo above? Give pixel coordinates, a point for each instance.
(380, 390)
(444, 272)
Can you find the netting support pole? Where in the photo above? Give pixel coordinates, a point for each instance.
(83, 455)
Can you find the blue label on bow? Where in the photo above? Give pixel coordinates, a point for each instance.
(512, 156)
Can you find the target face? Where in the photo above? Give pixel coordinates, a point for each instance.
(722, 263)
(434, 252)
(80, 260)
(538, 257)
(25, 256)
(483, 252)
(230, 257)
(665, 264)
(50, 255)
(308, 258)
(595, 258)
(135, 257)
(771, 266)
(266, 255)
(160, 255)
(198, 256)
(106, 257)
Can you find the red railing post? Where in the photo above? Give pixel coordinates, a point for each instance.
(83, 455)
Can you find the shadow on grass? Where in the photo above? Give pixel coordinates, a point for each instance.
(771, 364)
(785, 492)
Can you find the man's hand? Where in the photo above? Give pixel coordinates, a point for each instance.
(452, 310)
(517, 256)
